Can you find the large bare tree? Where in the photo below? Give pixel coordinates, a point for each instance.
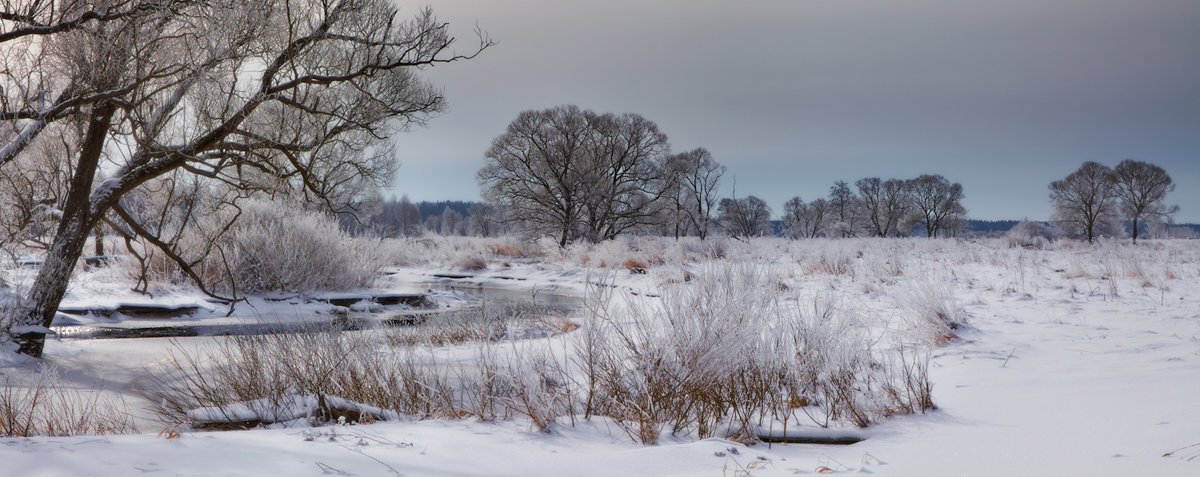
(1085, 203)
(575, 174)
(626, 175)
(283, 96)
(896, 198)
(937, 203)
(886, 205)
(870, 194)
(1141, 188)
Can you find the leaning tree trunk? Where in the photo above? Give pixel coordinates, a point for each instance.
(73, 229)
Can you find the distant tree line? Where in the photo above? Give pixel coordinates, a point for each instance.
(404, 218)
(928, 204)
(574, 174)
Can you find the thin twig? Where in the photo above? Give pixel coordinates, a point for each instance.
(1010, 355)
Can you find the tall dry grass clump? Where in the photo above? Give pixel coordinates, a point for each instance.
(43, 405)
(727, 355)
(932, 309)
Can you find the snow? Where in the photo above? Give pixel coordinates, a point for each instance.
(1078, 360)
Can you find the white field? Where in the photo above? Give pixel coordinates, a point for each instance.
(1078, 360)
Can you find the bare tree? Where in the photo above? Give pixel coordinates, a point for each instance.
(843, 206)
(451, 222)
(696, 177)
(576, 174)
(1141, 189)
(938, 203)
(397, 217)
(817, 217)
(1085, 202)
(793, 218)
(484, 220)
(744, 218)
(537, 171)
(409, 218)
(896, 198)
(886, 205)
(626, 182)
(279, 96)
(805, 220)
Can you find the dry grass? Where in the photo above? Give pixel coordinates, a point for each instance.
(47, 407)
(635, 263)
(381, 370)
(713, 357)
(830, 266)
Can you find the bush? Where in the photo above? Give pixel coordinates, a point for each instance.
(274, 247)
(932, 309)
(471, 264)
(723, 353)
(1029, 234)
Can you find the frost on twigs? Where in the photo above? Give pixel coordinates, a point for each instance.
(269, 246)
(726, 355)
(932, 311)
(1032, 235)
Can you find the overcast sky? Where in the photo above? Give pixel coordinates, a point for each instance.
(1001, 96)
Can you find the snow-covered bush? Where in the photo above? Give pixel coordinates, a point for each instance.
(274, 247)
(725, 352)
(268, 370)
(1030, 234)
(680, 361)
(932, 310)
(832, 356)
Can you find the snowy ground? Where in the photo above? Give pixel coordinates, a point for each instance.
(1079, 361)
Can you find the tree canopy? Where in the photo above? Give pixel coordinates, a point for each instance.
(291, 97)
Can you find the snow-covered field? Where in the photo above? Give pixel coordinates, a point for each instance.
(1075, 360)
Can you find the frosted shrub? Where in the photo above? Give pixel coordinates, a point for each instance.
(273, 247)
(725, 353)
(713, 248)
(906, 382)
(673, 362)
(831, 357)
(1029, 234)
(540, 389)
(932, 310)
